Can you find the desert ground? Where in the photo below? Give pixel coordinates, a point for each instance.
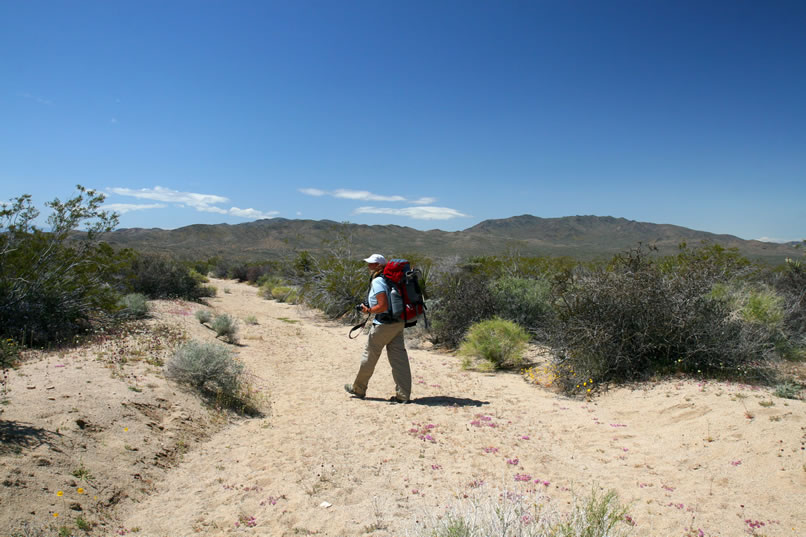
(95, 437)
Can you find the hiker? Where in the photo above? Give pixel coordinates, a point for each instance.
(385, 332)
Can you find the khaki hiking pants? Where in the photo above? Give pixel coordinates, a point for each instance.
(389, 336)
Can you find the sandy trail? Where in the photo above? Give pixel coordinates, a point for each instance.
(686, 454)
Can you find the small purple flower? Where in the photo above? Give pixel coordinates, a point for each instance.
(513, 462)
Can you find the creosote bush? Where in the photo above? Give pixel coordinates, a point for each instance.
(159, 276)
(225, 327)
(462, 298)
(500, 343)
(58, 283)
(635, 318)
(525, 301)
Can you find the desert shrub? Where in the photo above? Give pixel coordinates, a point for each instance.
(527, 302)
(250, 319)
(198, 276)
(267, 282)
(459, 298)
(213, 371)
(764, 307)
(595, 516)
(238, 272)
(281, 293)
(293, 296)
(336, 286)
(159, 276)
(500, 343)
(9, 353)
(133, 306)
(790, 283)
(59, 283)
(510, 513)
(221, 269)
(225, 327)
(636, 318)
(787, 390)
(203, 316)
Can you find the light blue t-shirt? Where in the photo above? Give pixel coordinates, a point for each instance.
(378, 285)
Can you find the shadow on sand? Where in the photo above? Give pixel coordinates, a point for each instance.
(14, 436)
(438, 400)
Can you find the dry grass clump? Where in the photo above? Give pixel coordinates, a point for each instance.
(226, 328)
(506, 513)
(212, 370)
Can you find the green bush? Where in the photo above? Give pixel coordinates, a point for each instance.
(133, 306)
(59, 283)
(527, 302)
(335, 285)
(209, 368)
(764, 307)
(9, 353)
(267, 283)
(203, 316)
(225, 327)
(787, 390)
(159, 276)
(635, 318)
(500, 343)
(282, 292)
(460, 298)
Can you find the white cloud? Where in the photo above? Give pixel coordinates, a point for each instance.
(312, 191)
(124, 208)
(418, 213)
(201, 202)
(251, 213)
(771, 239)
(363, 195)
(158, 193)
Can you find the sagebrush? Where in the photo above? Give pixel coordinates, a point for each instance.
(211, 369)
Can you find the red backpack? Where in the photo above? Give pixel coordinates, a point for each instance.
(406, 301)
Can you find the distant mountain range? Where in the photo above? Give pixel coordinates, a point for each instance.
(581, 237)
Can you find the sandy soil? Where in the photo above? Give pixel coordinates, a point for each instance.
(153, 460)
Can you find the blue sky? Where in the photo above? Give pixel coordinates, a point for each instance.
(429, 114)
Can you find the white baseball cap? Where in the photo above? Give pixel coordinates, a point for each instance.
(376, 258)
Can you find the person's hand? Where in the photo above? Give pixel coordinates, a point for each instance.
(364, 308)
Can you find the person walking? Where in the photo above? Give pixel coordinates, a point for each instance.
(385, 332)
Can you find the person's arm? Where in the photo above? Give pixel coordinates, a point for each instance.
(381, 307)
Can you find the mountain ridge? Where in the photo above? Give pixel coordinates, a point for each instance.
(581, 236)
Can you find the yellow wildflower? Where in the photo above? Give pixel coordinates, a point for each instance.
(60, 493)
(80, 490)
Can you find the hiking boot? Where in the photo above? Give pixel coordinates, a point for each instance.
(395, 400)
(349, 389)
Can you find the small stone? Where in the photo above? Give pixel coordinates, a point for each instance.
(325, 505)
